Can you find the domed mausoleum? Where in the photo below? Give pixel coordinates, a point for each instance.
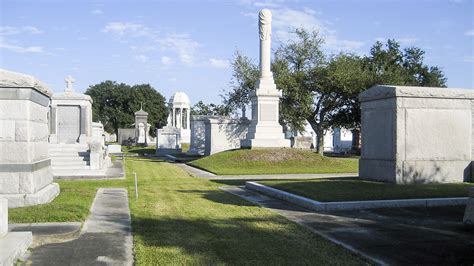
(180, 113)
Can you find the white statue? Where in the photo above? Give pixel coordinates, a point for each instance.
(141, 133)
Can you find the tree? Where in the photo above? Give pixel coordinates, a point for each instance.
(200, 108)
(298, 65)
(244, 77)
(114, 104)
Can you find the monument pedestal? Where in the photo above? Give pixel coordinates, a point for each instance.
(265, 130)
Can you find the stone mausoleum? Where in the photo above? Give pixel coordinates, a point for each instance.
(25, 165)
(76, 144)
(70, 116)
(416, 134)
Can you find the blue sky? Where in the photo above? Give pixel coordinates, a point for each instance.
(186, 45)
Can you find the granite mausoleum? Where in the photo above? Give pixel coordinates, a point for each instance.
(416, 134)
(25, 165)
(213, 134)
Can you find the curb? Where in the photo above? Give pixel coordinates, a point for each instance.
(47, 233)
(352, 205)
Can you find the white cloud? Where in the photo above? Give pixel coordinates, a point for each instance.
(142, 58)
(182, 45)
(219, 63)
(469, 33)
(97, 12)
(9, 30)
(143, 48)
(286, 19)
(469, 59)
(165, 60)
(127, 28)
(21, 49)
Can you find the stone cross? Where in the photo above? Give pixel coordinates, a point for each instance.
(69, 80)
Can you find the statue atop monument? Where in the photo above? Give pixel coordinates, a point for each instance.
(265, 29)
(265, 24)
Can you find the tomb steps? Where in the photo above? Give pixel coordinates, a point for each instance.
(69, 157)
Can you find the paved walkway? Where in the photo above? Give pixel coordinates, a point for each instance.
(105, 238)
(401, 236)
(204, 174)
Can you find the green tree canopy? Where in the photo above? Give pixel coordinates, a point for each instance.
(244, 77)
(200, 108)
(114, 104)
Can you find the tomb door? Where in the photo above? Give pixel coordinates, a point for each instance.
(69, 124)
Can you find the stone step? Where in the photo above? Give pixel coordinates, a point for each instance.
(71, 163)
(68, 150)
(68, 158)
(66, 154)
(70, 168)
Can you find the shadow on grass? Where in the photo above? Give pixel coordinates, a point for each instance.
(218, 196)
(250, 241)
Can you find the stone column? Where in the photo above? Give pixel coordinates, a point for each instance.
(188, 111)
(264, 23)
(83, 128)
(53, 134)
(173, 120)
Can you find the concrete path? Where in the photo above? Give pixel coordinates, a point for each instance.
(400, 236)
(204, 174)
(105, 238)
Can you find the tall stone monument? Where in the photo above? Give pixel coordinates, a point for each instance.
(141, 127)
(265, 130)
(25, 164)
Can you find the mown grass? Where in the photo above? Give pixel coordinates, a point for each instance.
(71, 205)
(274, 161)
(345, 189)
(179, 219)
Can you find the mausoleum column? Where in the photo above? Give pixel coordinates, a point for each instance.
(173, 120)
(188, 116)
(52, 125)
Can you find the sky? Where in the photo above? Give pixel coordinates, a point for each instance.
(186, 45)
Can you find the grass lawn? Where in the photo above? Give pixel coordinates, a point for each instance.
(274, 161)
(179, 219)
(352, 189)
(72, 204)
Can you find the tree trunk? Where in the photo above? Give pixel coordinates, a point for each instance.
(356, 137)
(320, 142)
(319, 134)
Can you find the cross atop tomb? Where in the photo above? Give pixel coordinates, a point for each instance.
(69, 80)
